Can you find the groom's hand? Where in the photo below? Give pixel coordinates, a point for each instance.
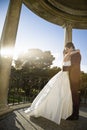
(66, 68)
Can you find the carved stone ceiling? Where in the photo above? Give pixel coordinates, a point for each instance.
(61, 12)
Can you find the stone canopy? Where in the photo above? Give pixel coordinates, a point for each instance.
(61, 12)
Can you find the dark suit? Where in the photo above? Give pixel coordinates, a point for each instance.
(74, 74)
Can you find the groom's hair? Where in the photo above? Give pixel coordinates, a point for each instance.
(69, 45)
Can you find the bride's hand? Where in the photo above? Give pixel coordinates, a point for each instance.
(76, 51)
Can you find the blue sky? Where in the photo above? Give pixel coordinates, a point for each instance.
(35, 32)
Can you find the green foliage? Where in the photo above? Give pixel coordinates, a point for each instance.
(83, 81)
(31, 72)
(34, 58)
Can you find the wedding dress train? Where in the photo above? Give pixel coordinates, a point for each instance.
(54, 102)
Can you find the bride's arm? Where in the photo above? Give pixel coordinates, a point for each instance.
(66, 57)
(73, 52)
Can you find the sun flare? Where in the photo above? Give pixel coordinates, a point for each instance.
(7, 52)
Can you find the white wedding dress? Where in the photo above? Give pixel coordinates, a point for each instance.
(54, 102)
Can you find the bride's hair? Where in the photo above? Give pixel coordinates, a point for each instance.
(64, 52)
(69, 45)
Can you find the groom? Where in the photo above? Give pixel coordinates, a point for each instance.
(74, 75)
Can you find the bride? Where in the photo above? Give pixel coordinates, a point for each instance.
(54, 102)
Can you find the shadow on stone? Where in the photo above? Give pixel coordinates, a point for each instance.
(9, 123)
(80, 124)
(45, 124)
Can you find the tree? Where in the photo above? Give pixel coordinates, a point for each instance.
(83, 83)
(31, 72)
(34, 58)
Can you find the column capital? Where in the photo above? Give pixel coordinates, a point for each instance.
(67, 25)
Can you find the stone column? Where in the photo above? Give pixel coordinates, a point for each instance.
(7, 43)
(68, 33)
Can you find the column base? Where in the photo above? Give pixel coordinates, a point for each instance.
(5, 109)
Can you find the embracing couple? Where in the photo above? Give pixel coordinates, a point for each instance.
(74, 77)
(59, 98)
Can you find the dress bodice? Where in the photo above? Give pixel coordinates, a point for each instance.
(67, 63)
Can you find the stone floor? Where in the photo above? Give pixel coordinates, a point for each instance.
(17, 120)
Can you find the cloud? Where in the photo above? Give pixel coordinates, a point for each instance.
(84, 68)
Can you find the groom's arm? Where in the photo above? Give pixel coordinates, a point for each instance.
(75, 59)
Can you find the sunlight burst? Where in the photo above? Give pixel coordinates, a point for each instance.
(7, 52)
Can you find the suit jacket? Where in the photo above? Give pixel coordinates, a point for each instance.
(74, 71)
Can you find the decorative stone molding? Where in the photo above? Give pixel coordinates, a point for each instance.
(53, 11)
(68, 10)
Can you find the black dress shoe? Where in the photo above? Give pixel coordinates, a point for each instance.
(73, 118)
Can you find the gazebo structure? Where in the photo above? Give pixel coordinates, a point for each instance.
(66, 13)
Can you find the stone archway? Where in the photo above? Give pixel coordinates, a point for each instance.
(68, 14)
